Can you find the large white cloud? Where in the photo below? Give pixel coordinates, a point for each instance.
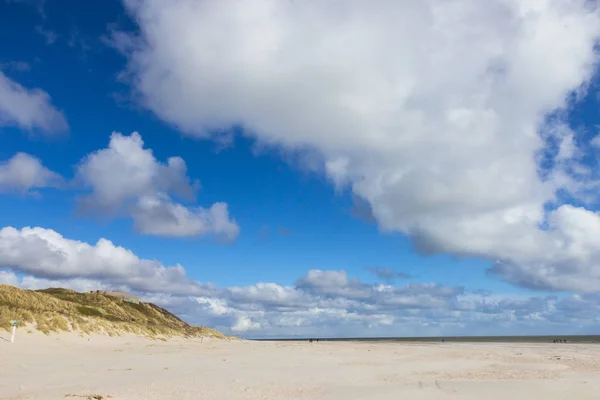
(28, 109)
(321, 303)
(433, 111)
(23, 173)
(126, 178)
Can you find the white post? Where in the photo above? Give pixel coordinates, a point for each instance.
(14, 330)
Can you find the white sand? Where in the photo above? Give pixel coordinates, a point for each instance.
(67, 366)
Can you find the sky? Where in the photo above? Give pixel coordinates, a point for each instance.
(273, 168)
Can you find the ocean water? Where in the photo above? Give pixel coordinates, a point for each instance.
(463, 339)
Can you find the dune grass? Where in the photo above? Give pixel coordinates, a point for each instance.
(56, 309)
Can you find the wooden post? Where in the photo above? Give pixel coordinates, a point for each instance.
(14, 330)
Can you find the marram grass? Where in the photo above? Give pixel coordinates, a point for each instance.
(56, 310)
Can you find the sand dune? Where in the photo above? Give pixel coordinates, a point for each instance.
(67, 366)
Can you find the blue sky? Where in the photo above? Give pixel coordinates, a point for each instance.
(459, 176)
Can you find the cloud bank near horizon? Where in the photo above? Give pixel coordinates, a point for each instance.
(320, 303)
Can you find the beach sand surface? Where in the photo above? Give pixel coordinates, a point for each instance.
(68, 366)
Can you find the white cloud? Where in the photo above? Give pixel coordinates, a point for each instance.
(570, 258)
(28, 108)
(9, 278)
(160, 216)
(24, 173)
(126, 178)
(244, 324)
(430, 111)
(45, 253)
(216, 306)
(321, 303)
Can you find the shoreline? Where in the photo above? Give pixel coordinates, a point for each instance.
(587, 339)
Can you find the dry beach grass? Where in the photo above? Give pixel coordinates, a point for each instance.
(56, 310)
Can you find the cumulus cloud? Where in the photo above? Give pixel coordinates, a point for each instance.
(244, 324)
(28, 108)
(44, 253)
(126, 178)
(320, 303)
(160, 216)
(23, 173)
(432, 112)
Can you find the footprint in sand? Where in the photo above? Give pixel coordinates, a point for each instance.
(90, 396)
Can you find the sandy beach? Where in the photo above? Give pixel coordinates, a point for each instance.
(67, 366)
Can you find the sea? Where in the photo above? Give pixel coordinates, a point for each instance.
(461, 339)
